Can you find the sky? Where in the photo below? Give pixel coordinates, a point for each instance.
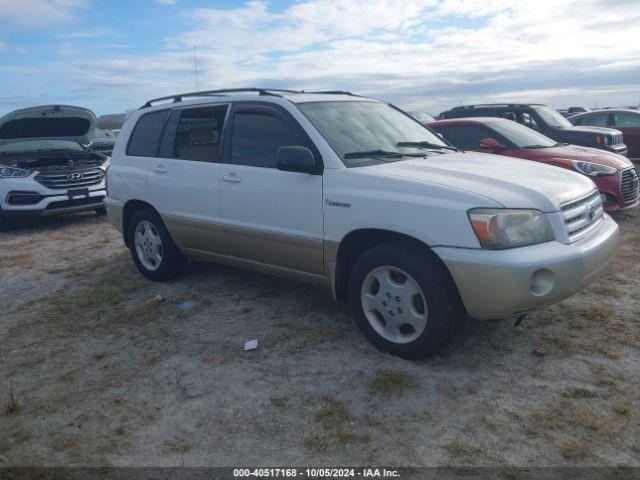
(428, 55)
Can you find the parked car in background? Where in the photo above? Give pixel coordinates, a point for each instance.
(103, 141)
(46, 166)
(625, 120)
(355, 195)
(422, 117)
(613, 174)
(547, 121)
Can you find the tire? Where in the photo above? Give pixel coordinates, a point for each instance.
(403, 301)
(152, 248)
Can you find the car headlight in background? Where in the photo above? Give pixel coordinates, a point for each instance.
(12, 172)
(593, 169)
(498, 229)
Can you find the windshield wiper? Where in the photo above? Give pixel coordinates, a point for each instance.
(380, 153)
(425, 144)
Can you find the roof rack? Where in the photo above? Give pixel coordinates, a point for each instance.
(210, 93)
(333, 92)
(481, 105)
(260, 91)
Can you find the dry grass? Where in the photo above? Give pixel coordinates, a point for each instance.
(16, 260)
(566, 414)
(12, 403)
(390, 382)
(573, 449)
(332, 414)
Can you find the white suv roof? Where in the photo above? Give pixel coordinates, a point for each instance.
(294, 96)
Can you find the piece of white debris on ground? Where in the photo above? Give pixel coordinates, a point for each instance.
(251, 345)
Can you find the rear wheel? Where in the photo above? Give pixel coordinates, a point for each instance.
(152, 248)
(403, 301)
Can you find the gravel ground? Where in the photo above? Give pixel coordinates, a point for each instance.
(99, 367)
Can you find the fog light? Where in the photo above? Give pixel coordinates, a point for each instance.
(541, 282)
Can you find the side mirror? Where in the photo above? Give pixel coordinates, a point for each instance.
(296, 159)
(491, 144)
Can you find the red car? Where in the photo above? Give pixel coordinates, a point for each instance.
(614, 175)
(626, 120)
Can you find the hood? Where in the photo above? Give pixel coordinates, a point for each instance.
(595, 130)
(48, 122)
(513, 183)
(584, 154)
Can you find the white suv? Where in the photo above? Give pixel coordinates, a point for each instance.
(355, 195)
(46, 164)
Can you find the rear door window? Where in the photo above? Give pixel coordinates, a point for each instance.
(146, 134)
(195, 134)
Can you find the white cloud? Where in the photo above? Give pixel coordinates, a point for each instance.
(37, 13)
(3, 46)
(167, 2)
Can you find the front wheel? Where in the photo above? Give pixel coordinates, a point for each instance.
(403, 300)
(152, 248)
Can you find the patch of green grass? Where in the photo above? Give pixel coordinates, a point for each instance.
(179, 445)
(622, 408)
(460, 448)
(390, 382)
(577, 392)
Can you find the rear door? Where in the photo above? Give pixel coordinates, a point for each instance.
(184, 178)
(629, 124)
(270, 216)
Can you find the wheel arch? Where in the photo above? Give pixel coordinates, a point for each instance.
(128, 210)
(357, 242)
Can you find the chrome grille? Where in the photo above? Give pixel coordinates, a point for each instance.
(581, 216)
(70, 178)
(616, 139)
(630, 185)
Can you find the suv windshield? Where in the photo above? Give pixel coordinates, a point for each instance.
(355, 127)
(551, 117)
(521, 136)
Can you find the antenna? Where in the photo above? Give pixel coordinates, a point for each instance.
(195, 64)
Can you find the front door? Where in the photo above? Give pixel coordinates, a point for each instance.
(270, 216)
(184, 179)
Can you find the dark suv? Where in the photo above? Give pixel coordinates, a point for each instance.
(547, 121)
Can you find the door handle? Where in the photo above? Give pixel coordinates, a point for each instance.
(160, 169)
(231, 178)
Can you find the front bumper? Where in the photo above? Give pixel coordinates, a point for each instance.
(620, 149)
(57, 205)
(114, 212)
(496, 284)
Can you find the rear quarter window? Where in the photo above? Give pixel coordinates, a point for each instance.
(146, 134)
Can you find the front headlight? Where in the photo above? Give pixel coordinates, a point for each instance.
(12, 172)
(498, 229)
(593, 169)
